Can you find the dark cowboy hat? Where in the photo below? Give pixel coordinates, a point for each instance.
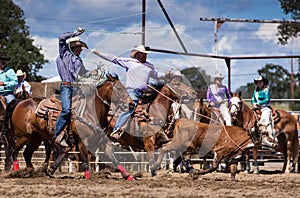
(3, 56)
(260, 78)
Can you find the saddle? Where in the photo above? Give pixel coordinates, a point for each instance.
(275, 114)
(49, 109)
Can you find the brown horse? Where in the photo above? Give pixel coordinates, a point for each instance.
(285, 132)
(142, 133)
(90, 120)
(226, 142)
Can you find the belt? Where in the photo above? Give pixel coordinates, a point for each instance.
(65, 83)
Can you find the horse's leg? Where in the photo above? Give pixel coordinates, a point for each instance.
(176, 162)
(20, 142)
(204, 162)
(9, 150)
(149, 148)
(216, 161)
(295, 151)
(283, 146)
(57, 162)
(33, 145)
(247, 161)
(83, 152)
(233, 170)
(110, 153)
(289, 156)
(255, 156)
(48, 148)
(166, 148)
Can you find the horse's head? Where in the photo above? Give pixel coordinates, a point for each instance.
(202, 111)
(236, 105)
(181, 89)
(111, 89)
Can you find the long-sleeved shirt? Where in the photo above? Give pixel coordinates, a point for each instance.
(261, 97)
(217, 94)
(137, 73)
(26, 85)
(69, 65)
(10, 79)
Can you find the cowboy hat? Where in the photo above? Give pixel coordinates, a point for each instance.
(3, 56)
(20, 73)
(75, 41)
(139, 48)
(260, 78)
(216, 76)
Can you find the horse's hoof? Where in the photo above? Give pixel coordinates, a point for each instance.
(16, 165)
(153, 173)
(192, 172)
(130, 178)
(50, 172)
(87, 174)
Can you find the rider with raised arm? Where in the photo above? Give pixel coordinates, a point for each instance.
(138, 75)
(69, 66)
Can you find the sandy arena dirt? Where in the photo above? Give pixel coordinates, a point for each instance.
(107, 184)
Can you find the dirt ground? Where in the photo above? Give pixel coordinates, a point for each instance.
(108, 184)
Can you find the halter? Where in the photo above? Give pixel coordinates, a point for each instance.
(99, 97)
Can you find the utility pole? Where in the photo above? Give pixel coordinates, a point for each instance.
(143, 21)
(292, 79)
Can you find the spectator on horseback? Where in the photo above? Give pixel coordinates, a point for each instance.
(261, 101)
(8, 82)
(216, 94)
(23, 87)
(139, 72)
(69, 66)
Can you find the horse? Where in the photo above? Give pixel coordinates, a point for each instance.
(226, 142)
(142, 132)
(285, 126)
(22, 94)
(90, 112)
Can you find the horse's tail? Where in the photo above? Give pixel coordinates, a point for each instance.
(9, 111)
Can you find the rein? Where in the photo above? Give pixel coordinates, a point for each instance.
(99, 97)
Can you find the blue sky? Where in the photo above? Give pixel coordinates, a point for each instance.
(114, 26)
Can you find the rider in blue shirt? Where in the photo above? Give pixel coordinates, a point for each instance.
(69, 66)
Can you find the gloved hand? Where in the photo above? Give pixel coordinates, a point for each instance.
(79, 31)
(94, 51)
(131, 105)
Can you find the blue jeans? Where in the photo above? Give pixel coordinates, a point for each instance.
(9, 96)
(66, 103)
(123, 117)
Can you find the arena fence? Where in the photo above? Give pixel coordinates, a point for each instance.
(266, 158)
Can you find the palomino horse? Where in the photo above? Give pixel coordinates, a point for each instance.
(90, 112)
(285, 131)
(227, 142)
(142, 133)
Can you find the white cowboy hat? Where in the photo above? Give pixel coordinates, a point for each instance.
(216, 76)
(260, 78)
(139, 48)
(75, 41)
(20, 73)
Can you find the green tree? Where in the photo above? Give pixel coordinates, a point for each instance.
(279, 80)
(289, 30)
(198, 79)
(15, 40)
